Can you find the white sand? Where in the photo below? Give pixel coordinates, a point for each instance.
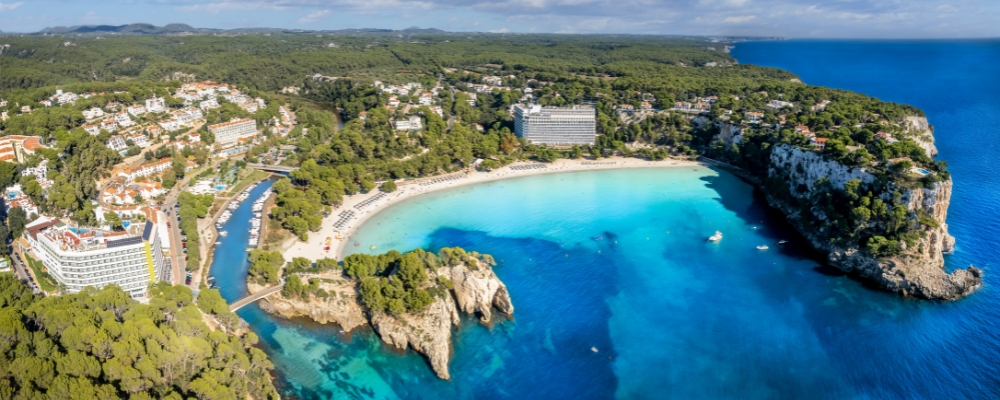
(313, 249)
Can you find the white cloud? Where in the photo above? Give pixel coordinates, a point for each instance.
(314, 16)
(215, 8)
(10, 6)
(501, 30)
(740, 19)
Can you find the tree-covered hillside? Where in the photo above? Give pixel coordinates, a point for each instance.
(272, 62)
(104, 345)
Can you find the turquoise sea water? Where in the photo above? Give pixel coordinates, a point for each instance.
(672, 315)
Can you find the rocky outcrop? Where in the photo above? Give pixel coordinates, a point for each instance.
(729, 134)
(474, 290)
(478, 290)
(918, 129)
(919, 270)
(340, 307)
(429, 333)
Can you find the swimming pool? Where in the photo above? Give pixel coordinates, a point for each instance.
(922, 171)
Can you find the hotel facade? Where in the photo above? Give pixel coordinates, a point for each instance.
(558, 126)
(227, 134)
(79, 258)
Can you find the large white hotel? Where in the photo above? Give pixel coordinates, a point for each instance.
(78, 258)
(228, 134)
(558, 126)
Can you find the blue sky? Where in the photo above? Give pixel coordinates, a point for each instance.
(788, 18)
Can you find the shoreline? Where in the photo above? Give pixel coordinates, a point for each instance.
(312, 249)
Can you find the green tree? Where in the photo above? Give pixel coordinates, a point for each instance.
(389, 186)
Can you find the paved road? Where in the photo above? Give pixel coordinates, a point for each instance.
(21, 270)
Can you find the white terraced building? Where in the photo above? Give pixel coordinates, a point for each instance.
(576, 125)
(228, 133)
(132, 259)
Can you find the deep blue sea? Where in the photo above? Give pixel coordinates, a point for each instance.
(671, 315)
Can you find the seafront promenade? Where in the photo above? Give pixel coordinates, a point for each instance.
(361, 207)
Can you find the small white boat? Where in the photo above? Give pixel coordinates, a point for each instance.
(593, 349)
(762, 247)
(716, 237)
(223, 233)
(782, 241)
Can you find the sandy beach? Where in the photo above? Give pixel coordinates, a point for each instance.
(368, 204)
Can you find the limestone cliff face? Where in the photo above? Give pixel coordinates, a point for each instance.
(919, 270)
(918, 129)
(341, 307)
(478, 290)
(429, 332)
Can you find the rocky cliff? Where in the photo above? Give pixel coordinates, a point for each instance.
(340, 307)
(429, 333)
(475, 290)
(919, 270)
(918, 129)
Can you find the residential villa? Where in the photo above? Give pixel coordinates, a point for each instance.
(117, 143)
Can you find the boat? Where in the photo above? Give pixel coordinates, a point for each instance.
(223, 233)
(716, 237)
(373, 247)
(598, 238)
(782, 241)
(593, 349)
(762, 247)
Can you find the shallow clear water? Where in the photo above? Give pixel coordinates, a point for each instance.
(672, 315)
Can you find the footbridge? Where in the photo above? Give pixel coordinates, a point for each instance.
(272, 168)
(256, 296)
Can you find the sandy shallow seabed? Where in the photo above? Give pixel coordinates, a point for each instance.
(313, 248)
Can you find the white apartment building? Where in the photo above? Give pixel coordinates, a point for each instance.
(574, 125)
(227, 134)
(78, 258)
(146, 169)
(187, 116)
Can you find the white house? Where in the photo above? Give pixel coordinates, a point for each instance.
(415, 122)
(109, 124)
(123, 120)
(209, 104)
(136, 110)
(155, 105)
(139, 140)
(170, 124)
(93, 113)
(117, 143)
(92, 129)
